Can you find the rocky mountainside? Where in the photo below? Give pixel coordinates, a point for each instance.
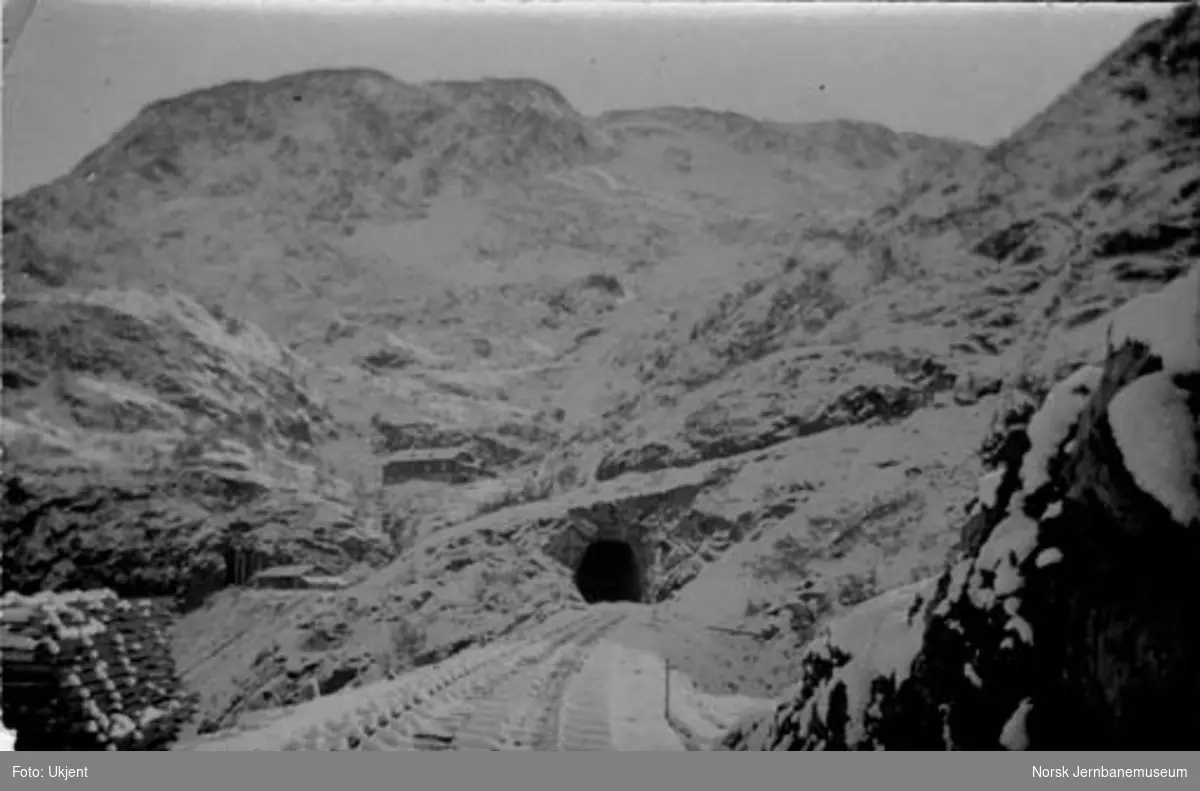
(764, 355)
(1086, 492)
(1050, 633)
(146, 440)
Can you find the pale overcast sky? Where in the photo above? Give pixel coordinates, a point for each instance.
(84, 68)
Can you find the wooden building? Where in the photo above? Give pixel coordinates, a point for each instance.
(447, 465)
(301, 576)
(324, 582)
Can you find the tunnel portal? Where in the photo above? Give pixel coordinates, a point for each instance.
(609, 571)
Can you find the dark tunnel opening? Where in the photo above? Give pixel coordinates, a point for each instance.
(609, 571)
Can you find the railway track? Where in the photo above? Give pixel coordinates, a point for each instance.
(566, 684)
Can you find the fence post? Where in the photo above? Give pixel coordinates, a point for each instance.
(667, 689)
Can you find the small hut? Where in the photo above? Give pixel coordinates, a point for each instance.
(448, 465)
(287, 577)
(327, 582)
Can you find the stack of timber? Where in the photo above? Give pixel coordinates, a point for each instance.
(88, 670)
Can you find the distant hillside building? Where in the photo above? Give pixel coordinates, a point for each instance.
(324, 582)
(302, 576)
(448, 465)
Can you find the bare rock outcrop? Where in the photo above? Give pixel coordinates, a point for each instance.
(146, 437)
(1069, 623)
(786, 395)
(392, 437)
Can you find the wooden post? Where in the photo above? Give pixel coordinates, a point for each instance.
(667, 689)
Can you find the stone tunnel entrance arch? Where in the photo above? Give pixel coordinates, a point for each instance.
(609, 571)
